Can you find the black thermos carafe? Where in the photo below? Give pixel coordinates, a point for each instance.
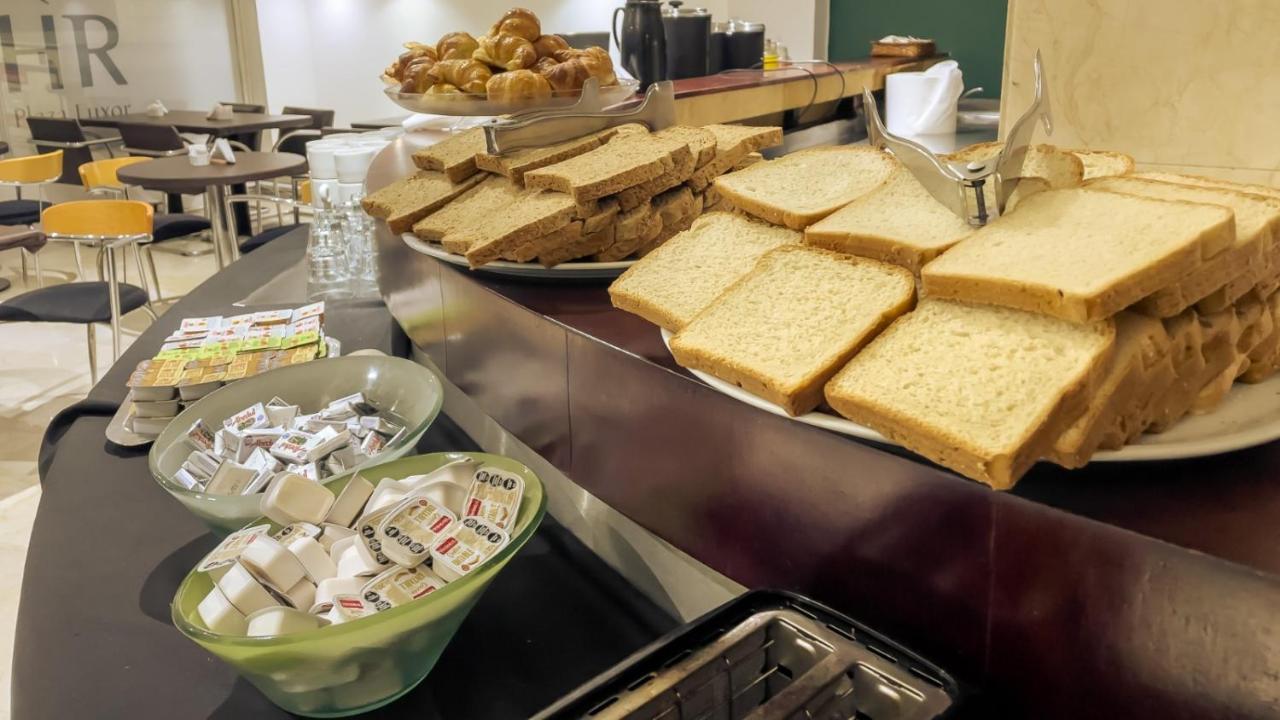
(642, 42)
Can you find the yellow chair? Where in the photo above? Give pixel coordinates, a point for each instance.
(99, 176)
(106, 224)
(22, 172)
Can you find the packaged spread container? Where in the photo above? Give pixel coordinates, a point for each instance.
(398, 387)
(368, 661)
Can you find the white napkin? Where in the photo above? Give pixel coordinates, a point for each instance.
(156, 109)
(945, 95)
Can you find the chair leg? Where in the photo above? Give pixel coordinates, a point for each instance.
(113, 295)
(75, 247)
(35, 260)
(155, 277)
(26, 279)
(142, 273)
(102, 258)
(91, 331)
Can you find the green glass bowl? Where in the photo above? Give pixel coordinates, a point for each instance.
(360, 665)
(399, 386)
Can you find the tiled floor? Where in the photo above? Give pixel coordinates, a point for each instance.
(45, 367)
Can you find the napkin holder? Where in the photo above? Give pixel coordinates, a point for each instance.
(220, 112)
(222, 152)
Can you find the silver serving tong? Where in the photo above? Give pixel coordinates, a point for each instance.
(547, 127)
(960, 186)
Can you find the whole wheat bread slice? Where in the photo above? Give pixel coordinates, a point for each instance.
(516, 163)
(586, 244)
(677, 280)
(800, 189)
(1081, 255)
(786, 327)
(455, 156)
(408, 200)
(733, 144)
(533, 215)
(979, 389)
(898, 222)
(535, 247)
(1257, 222)
(638, 231)
(620, 164)
(702, 146)
(490, 195)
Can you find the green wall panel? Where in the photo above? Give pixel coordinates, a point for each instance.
(971, 31)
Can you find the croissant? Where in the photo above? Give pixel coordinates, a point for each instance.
(520, 22)
(469, 76)
(456, 46)
(443, 89)
(416, 77)
(518, 85)
(576, 66)
(544, 64)
(415, 50)
(506, 52)
(547, 45)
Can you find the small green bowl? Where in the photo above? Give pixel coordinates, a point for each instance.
(363, 664)
(399, 386)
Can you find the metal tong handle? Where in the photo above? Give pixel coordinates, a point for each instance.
(1014, 154)
(943, 183)
(589, 101)
(657, 111)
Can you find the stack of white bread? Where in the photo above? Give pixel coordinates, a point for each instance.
(1104, 304)
(604, 197)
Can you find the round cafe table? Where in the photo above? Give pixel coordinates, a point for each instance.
(177, 175)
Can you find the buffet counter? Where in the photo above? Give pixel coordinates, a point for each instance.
(1145, 586)
(109, 548)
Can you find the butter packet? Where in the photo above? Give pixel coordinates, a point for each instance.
(467, 546)
(494, 497)
(411, 527)
(228, 551)
(399, 586)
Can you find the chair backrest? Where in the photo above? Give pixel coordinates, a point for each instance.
(31, 169)
(245, 107)
(61, 130)
(296, 141)
(319, 118)
(97, 218)
(304, 192)
(102, 173)
(154, 138)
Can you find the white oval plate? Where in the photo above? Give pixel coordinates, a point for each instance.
(1249, 416)
(580, 270)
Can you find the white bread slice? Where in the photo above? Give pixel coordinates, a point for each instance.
(1264, 358)
(1219, 334)
(979, 389)
(1060, 168)
(785, 328)
(1103, 163)
(672, 284)
(1264, 273)
(898, 222)
(1081, 255)
(1140, 341)
(408, 200)
(800, 189)
(1257, 225)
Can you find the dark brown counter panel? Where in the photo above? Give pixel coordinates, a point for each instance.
(1146, 586)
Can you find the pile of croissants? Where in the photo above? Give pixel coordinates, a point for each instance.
(515, 61)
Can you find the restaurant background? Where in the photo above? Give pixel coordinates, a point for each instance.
(79, 58)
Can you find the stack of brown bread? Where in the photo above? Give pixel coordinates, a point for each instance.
(1106, 304)
(605, 197)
